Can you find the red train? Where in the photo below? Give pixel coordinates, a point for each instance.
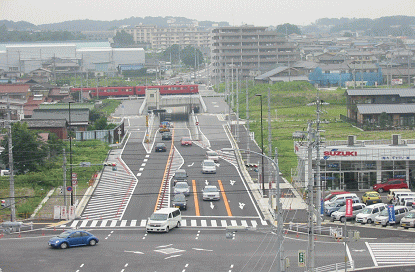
(140, 90)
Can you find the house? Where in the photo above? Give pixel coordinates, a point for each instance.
(41, 75)
(15, 91)
(364, 106)
(32, 103)
(57, 126)
(78, 119)
(282, 73)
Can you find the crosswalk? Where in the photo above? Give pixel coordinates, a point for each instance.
(392, 253)
(186, 222)
(228, 156)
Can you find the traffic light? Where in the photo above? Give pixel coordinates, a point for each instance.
(61, 190)
(112, 164)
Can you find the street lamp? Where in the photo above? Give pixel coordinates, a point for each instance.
(70, 149)
(262, 150)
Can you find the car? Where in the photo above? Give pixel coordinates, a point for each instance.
(3, 203)
(166, 135)
(179, 175)
(342, 197)
(161, 147)
(398, 196)
(212, 155)
(368, 214)
(181, 187)
(340, 215)
(392, 192)
(179, 201)
(208, 167)
(383, 217)
(72, 238)
(408, 221)
(164, 219)
(390, 184)
(186, 141)
(336, 205)
(333, 194)
(371, 197)
(211, 192)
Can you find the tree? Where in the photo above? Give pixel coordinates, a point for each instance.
(188, 55)
(288, 29)
(172, 54)
(384, 120)
(123, 39)
(29, 151)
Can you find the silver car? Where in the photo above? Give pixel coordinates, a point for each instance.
(340, 215)
(368, 214)
(208, 167)
(383, 217)
(212, 155)
(181, 187)
(211, 192)
(408, 221)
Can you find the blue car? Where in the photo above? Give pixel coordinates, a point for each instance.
(71, 238)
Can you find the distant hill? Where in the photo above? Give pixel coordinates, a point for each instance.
(94, 25)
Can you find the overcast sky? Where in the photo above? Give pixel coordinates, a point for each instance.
(236, 12)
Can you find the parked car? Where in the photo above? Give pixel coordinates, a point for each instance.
(392, 192)
(340, 215)
(402, 199)
(166, 135)
(408, 221)
(179, 175)
(368, 214)
(371, 197)
(212, 155)
(390, 184)
(179, 201)
(342, 197)
(336, 205)
(72, 238)
(161, 147)
(186, 141)
(211, 192)
(333, 194)
(400, 195)
(208, 167)
(3, 203)
(181, 187)
(383, 217)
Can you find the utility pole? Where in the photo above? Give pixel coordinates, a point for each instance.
(64, 178)
(310, 251)
(280, 221)
(12, 199)
(232, 101)
(247, 122)
(318, 180)
(237, 105)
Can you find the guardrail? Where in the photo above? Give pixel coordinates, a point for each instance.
(335, 232)
(335, 267)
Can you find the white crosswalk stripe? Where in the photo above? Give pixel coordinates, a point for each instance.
(200, 222)
(392, 253)
(228, 156)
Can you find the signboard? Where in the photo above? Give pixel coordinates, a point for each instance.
(69, 188)
(74, 179)
(56, 212)
(349, 207)
(322, 207)
(64, 214)
(71, 213)
(301, 258)
(391, 213)
(197, 123)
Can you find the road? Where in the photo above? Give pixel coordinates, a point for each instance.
(125, 198)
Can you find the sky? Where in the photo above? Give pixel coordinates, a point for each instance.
(236, 12)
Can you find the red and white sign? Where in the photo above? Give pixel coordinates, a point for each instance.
(71, 213)
(197, 123)
(349, 207)
(64, 214)
(74, 179)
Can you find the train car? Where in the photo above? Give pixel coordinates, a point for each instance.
(139, 90)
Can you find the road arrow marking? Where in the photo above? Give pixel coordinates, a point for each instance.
(233, 182)
(211, 205)
(359, 250)
(206, 182)
(136, 252)
(241, 205)
(190, 165)
(202, 249)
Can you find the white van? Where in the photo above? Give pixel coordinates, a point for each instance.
(164, 220)
(399, 195)
(392, 193)
(342, 198)
(368, 214)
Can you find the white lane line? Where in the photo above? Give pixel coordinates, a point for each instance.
(103, 223)
(184, 223)
(145, 160)
(193, 223)
(147, 156)
(371, 254)
(254, 223)
(123, 223)
(163, 246)
(84, 223)
(223, 222)
(94, 223)
(143, 164)
(243, 222)
(141, 169)
(173, 256)
(143, 223)
(234, 223)
(74, 223)
(348, 253)
(139, 174)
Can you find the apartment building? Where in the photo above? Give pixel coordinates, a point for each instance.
(249, 48)
(164, 37)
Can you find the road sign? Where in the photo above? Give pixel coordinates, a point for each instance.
(197, 123)
(69, 188)
(349, 207)
(74, 179)
(301, 258)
